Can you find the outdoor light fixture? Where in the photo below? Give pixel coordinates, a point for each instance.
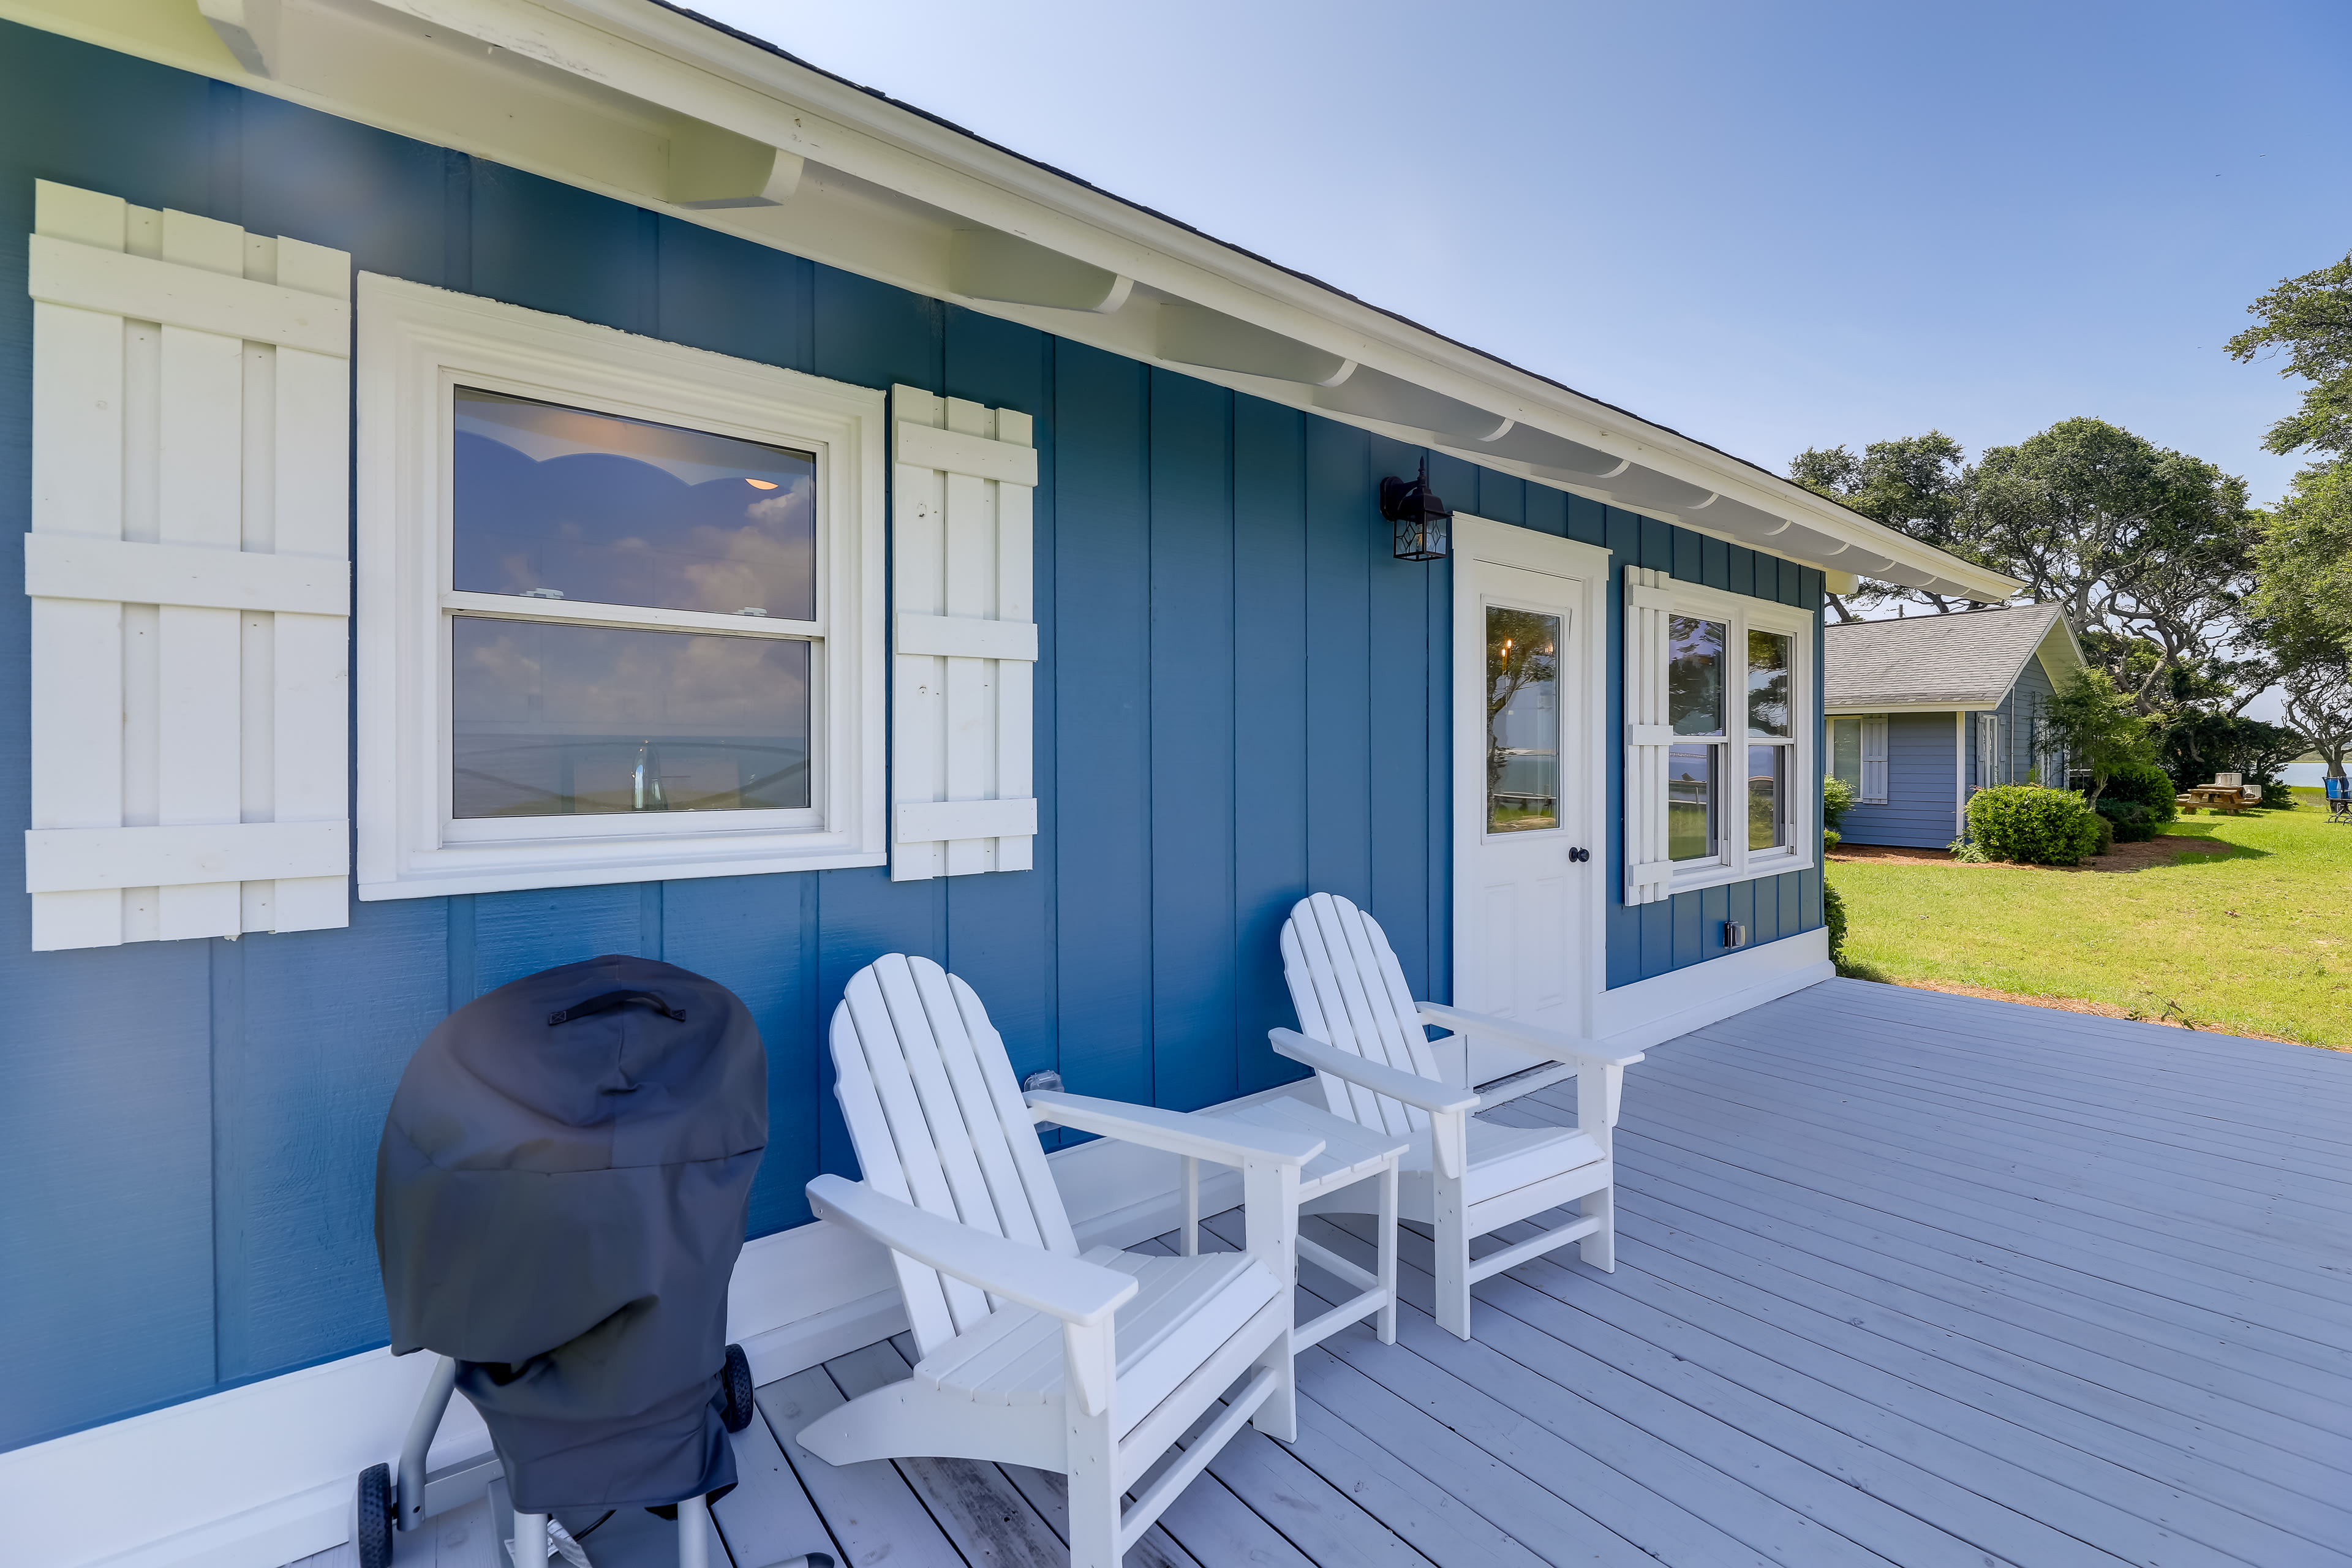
(1425, 530)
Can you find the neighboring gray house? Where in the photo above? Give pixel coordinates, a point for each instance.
(1921, 711)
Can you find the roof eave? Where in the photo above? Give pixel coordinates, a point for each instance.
(1940, 705)
(651, 70)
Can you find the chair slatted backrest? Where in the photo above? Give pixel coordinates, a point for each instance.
(1350, 993)
(938, 1120)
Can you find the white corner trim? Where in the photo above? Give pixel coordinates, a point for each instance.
(1959, 776)
(1635, 1017)
(263, 1475)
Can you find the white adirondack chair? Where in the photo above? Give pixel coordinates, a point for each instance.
(1461, 1177)
(1034, 1353)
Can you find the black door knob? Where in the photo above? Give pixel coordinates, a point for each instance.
(1579, 854)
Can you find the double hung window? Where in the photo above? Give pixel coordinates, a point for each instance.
(625, 622)
(1738, 766)
(1857, 753)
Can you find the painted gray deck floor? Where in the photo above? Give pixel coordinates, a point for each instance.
(1903, 1279)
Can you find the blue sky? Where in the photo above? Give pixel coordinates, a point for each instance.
(1770, 227)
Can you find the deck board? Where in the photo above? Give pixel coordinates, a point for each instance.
(1903, 1279)
(2137, 1247)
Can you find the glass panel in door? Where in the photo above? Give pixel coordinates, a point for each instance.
(1522, 719)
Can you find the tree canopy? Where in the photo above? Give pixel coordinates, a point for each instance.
(1916, 484)
(2304, 602)
(2099, 728)
(2304, 560)
(2188, 602)
(2309, 320)
(2149, 550)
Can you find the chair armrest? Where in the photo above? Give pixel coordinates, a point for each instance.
(1558, 1047)
(1380, 1078)
(1178, 1132)
(1085, 1294)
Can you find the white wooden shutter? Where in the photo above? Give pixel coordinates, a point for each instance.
(189, 568)
(1988, 750)
(963, 636)
(1649, 730)
(1874, 760)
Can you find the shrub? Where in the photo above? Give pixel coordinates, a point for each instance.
(2143, 785)
(1837, 799)
(1833, 916)
(2106, 835)
(2277, 795)
(2037, 825)
(2128, 818)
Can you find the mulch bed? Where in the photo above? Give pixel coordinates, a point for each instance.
(2139, 857)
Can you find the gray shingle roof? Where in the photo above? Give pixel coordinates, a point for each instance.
(1968, 660)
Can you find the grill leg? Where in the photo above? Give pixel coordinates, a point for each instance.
(694, 1532)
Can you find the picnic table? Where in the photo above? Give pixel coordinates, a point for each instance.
(2220, 797)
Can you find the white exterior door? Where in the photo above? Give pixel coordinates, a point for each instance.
(1526, 798)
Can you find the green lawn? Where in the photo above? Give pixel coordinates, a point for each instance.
(2257, 941)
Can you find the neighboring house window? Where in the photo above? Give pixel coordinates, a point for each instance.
(619, 605)
(1857, 753)
(1732, 755)
(2049, 757)
(1988, 769)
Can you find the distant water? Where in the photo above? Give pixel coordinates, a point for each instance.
(2306, 775)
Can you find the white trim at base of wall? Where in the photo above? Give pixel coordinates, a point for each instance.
(263, 1475)
(1635, 1017)
(265, 1472)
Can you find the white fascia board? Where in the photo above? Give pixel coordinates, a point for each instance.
(1852, 710)
(628, 49)
(2061, 652)
(968, 178)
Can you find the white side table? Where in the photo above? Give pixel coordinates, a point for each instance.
(1351, 1153)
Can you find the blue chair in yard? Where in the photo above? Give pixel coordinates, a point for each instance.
(2339, 799)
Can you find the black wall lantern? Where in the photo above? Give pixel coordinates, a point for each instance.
(1424, 524)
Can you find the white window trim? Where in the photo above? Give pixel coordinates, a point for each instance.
(1734, 861)
(415, 343)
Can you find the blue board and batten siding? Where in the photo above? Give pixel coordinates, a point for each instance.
(1241, 697)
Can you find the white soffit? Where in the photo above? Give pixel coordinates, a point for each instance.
(641, 103)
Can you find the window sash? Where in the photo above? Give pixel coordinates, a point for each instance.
(1729, 816)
